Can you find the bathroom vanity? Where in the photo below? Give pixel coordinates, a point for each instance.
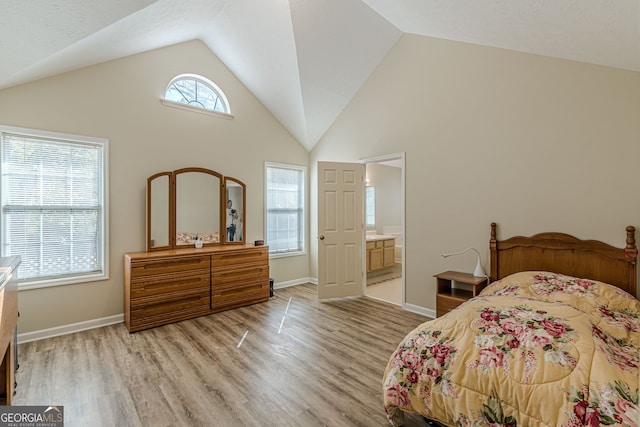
(380, 252)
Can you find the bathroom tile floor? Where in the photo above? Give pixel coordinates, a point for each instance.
(389, 291)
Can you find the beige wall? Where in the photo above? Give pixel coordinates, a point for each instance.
(119, 100)
(533, 143)
(387, 181)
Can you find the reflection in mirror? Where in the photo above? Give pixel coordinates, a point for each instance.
(158, 192)
(197, 206)
(235, 201)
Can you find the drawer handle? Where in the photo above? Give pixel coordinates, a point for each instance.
(172, 302)
(165, 264)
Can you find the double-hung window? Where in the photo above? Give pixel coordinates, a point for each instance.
(285, 201)
(53, 215)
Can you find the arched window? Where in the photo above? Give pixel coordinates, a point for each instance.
(198, 92)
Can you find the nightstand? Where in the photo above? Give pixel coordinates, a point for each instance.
(449, 296)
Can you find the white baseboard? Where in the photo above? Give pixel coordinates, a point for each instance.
(420, 310)
(295, 282)
(70, 328)
(119, 318)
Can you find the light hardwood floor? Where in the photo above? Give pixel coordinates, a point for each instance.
(301, 363)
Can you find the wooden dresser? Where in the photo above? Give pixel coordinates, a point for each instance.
(163, 287)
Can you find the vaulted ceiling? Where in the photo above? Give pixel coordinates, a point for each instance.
(305, 59)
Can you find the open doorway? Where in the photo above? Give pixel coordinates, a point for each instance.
(384, 212)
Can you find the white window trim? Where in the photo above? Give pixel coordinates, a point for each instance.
(268, 164)
(186, 107)
(287, 254)
(46, 283)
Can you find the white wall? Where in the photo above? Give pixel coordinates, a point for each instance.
(119, 100)
(387, 181)
(530, 142)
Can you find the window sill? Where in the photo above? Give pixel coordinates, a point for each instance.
(273, 255)
(24, 286)
(195, 109)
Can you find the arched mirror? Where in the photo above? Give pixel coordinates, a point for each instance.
(197, 206)
(158, 211)
(234, 212)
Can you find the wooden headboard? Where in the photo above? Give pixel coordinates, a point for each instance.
(565, 254)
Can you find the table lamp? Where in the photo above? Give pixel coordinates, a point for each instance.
(478, 272)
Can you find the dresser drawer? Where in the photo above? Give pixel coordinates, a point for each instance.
(238, 294)
(139, 323)
(222, 276)
(246, 256)
(197, 299)
(146, 286)
(150, 267)
(445, 304)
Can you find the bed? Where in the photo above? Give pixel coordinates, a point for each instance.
(554, 340)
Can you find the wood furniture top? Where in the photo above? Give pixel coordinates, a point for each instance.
(190, 251)
(565, 254)
(461, 277)
(8, 322)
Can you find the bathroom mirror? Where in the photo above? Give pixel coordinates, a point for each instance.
(158, 208)
(197, 201)
(234, 211)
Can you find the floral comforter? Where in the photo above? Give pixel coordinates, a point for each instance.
(535, 348)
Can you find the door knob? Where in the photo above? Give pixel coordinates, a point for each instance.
(321, 237)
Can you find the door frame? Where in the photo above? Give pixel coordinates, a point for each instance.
(401, 157)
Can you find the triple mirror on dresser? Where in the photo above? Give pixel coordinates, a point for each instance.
(191, 204)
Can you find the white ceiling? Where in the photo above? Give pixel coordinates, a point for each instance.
(305, 59)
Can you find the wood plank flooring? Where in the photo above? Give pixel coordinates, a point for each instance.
(291, 361)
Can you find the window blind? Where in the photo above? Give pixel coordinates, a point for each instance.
(285, 209)
(52, 206)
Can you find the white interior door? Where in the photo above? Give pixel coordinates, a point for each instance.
(340, 229)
